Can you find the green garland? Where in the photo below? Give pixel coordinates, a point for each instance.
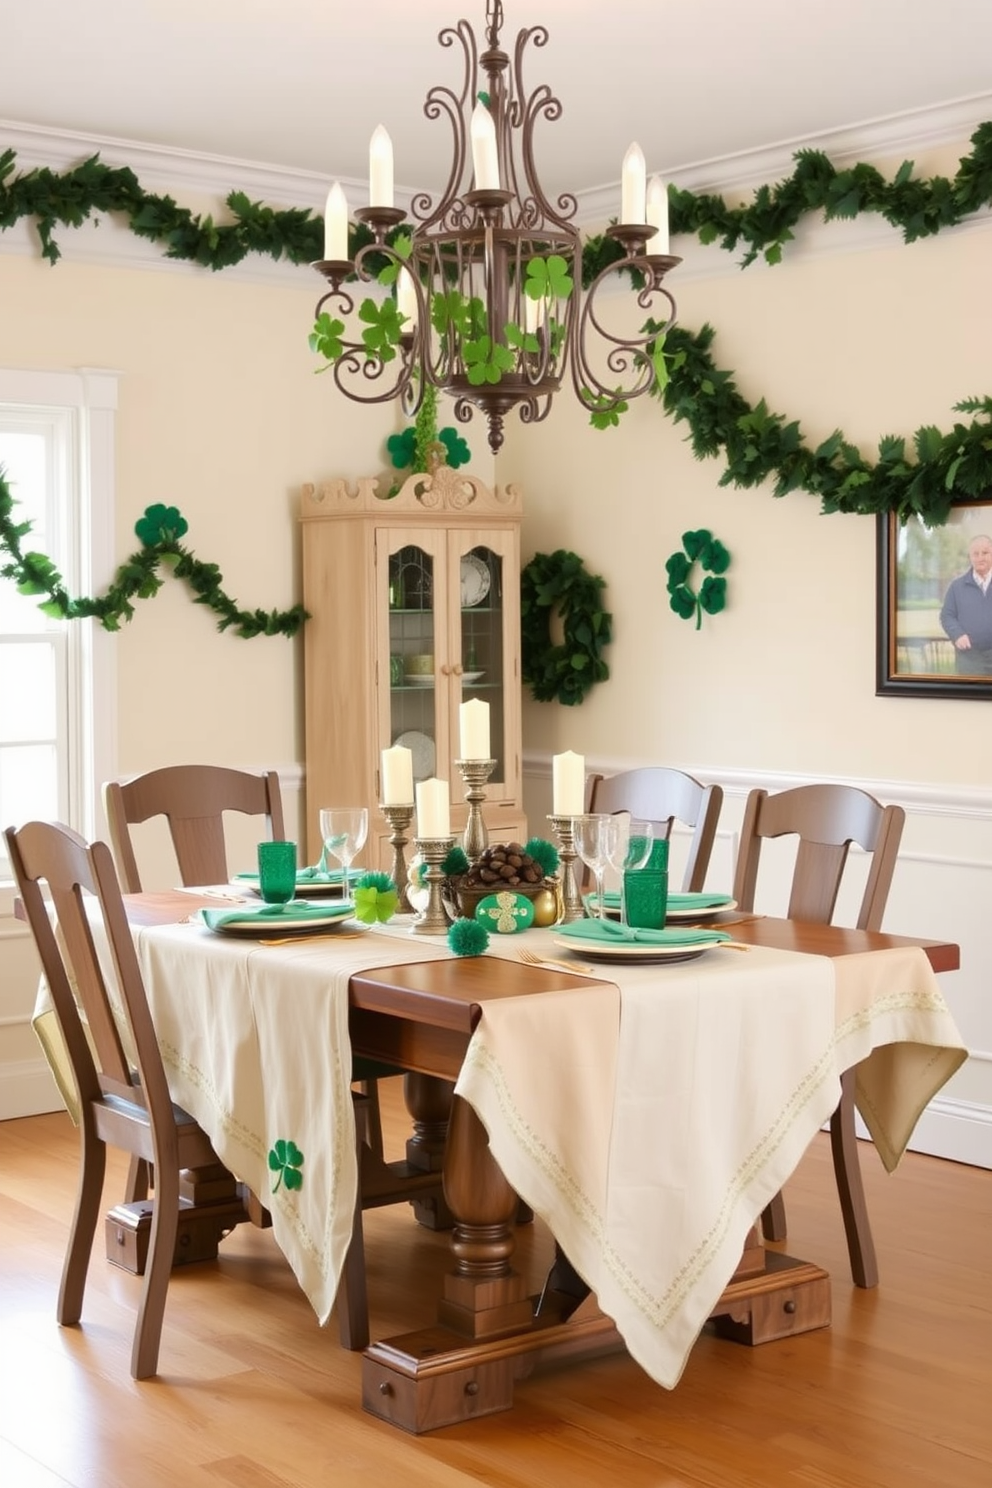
(755, 442)
(159, 530)
(758, 444)
(559, 583)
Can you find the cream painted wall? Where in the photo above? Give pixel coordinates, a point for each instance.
(874, 343)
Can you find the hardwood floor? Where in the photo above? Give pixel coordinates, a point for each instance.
(252, 1394)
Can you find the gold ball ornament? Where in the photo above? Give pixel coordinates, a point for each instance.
(545, 908)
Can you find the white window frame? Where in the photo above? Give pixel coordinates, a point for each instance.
(87, 397)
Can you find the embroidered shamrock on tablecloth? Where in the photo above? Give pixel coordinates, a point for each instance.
(286, 1160)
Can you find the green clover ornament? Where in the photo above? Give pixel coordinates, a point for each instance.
(703, 548)
(375, 898)
(286, 1160)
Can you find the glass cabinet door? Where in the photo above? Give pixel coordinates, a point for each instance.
(487, 623)
(414, 579)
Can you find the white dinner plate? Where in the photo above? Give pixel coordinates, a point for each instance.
(592, 950)
(421, 746)
(471, 677)
(415, 679)
(286, 922)
(475, 580)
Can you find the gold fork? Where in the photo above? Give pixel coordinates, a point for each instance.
(533, 959)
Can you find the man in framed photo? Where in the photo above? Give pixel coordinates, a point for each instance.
(966, 614)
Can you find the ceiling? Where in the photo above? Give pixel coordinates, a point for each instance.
(303, 83)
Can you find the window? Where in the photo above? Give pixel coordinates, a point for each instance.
(56, 677)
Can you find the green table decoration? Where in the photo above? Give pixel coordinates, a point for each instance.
(468, 938)
(375, 898)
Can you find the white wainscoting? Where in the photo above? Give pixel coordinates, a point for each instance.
(942, 890)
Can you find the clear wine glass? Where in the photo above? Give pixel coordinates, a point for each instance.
(343, 830)
(592, 843)
(629, 846)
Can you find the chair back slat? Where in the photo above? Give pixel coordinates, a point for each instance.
(827, 819)
(193, 800)
(665, 796)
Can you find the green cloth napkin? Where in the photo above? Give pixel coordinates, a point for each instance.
(271, 915)
(610, 931)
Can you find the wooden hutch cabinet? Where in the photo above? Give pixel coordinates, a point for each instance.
(414, 604)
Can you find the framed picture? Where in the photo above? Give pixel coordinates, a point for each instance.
(934, 620)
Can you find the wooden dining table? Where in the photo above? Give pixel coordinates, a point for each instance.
(410, 1002)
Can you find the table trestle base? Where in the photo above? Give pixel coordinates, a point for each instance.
(438, 1377)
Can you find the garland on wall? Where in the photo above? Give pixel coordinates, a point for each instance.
(756, 443)
(159, 531)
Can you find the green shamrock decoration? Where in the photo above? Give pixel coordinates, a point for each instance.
(375, 898)
(703, 548)
(286, 1159)
(161, 524)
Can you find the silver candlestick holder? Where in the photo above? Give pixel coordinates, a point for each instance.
(432, 920)
(475, 773)
(572, 906)
(399, 819)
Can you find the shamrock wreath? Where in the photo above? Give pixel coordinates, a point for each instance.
(704, 548)
(559, 582)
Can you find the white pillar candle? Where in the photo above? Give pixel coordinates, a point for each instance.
(568, 779)
(397, 776)
(474, 721)
(380, 169)
(657, 215)
(406, 301)
(433, 807)
(336, 225)
(485, 159)
(534, 314)
(632, 186)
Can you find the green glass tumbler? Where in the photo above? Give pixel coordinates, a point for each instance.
(645, 892)
(277, 871)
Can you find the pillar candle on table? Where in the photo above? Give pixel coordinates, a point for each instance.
(397, 776)
(568, 778)
(474, 721)
(433, 807)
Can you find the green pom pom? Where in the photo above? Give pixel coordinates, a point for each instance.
(380, 881)
(455, 863)
(543, 852)
(468, 938)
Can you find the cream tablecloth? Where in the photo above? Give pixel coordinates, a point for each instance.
(650, 1126)
(647, 1120)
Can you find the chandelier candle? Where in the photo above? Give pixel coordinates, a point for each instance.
(336, 226)
(632, 208)
(380, 169)
(657, 215)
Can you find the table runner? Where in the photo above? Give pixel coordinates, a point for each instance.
(260, 1058)
(725, 1068)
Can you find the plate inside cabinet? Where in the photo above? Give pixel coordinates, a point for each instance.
(421, 746)
(475, 580)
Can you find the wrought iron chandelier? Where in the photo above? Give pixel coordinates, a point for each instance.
(488, 304)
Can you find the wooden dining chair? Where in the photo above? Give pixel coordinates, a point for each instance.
(826, 819)
(665, 796)
(194, 799)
